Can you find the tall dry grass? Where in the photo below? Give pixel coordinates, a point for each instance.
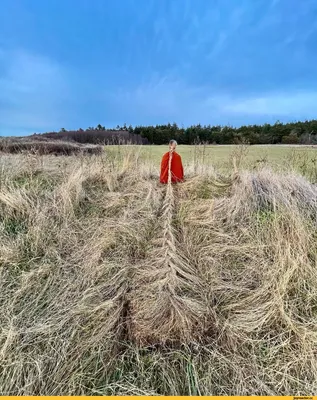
(112, 284)
(45, 147)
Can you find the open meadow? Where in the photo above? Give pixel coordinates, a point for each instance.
(278, 157)
(113, 284)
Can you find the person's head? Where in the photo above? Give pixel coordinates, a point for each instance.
(172, 145)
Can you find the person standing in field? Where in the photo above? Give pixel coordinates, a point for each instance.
(177, 171)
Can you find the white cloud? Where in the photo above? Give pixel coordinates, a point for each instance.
(172, 100)
(32, 90)
(158, 99)
(290, 104)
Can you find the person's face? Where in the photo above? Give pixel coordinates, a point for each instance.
(172, 146)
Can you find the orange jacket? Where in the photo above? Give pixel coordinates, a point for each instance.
(176, 168)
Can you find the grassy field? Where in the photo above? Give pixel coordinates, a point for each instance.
(220, 153)
(113, 284)
(278, 157)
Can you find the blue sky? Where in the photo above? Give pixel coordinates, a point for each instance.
(77, 63)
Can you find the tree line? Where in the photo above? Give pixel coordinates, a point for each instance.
(278, 133)
(301, 132)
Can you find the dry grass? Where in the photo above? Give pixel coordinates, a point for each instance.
(113, 284)
(44, 146)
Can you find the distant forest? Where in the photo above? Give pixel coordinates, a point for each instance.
(279, 133)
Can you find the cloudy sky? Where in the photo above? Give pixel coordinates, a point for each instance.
(77, 63)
